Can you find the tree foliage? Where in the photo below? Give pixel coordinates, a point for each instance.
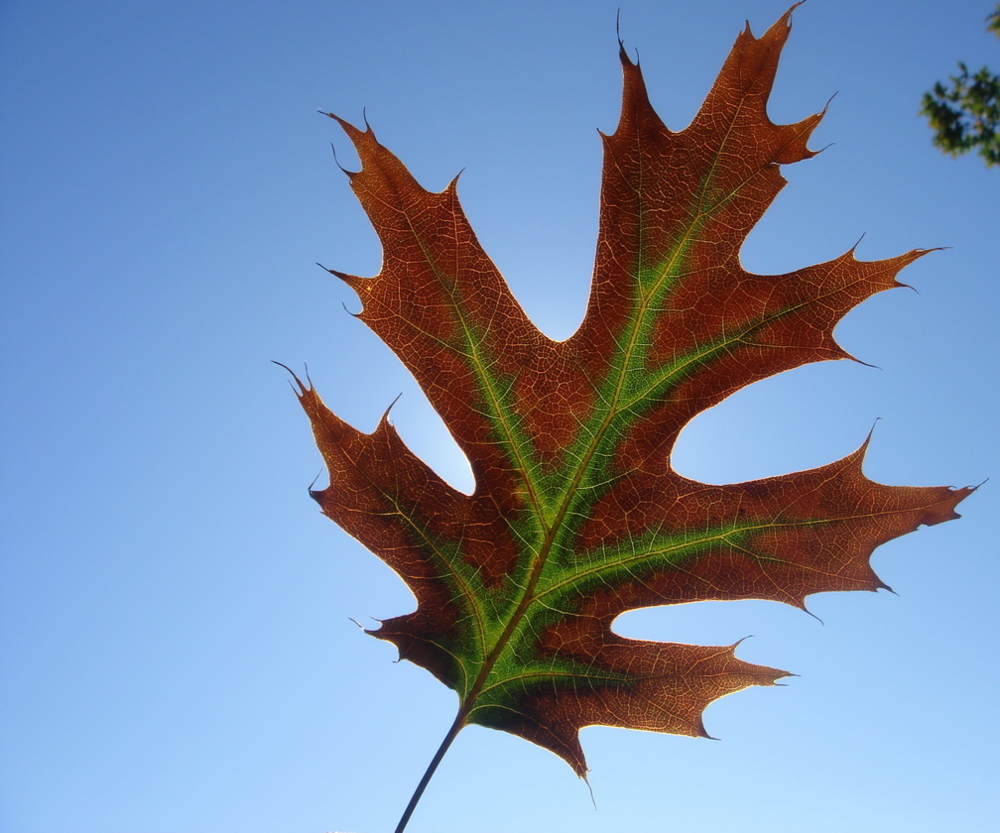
(966, 114)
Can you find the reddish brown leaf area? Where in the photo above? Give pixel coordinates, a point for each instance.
(824, 523)
(577, 515)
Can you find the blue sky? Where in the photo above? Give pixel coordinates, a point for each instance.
(178, 652)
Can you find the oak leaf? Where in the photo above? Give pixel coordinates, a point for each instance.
(577, 515)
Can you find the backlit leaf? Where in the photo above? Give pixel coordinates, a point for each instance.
(577, 515)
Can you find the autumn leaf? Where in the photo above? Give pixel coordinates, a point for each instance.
(577, 515)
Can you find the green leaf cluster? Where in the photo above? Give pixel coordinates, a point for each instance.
(966, 115)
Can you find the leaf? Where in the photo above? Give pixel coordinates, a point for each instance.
(966, 113)
(577, 515)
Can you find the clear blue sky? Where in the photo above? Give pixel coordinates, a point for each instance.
(178, 652)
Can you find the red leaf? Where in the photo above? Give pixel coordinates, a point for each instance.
(577, 515)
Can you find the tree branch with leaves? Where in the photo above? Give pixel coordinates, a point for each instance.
(966, 115)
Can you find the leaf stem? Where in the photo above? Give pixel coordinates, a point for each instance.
(456, 727)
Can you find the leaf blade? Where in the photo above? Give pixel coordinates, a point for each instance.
(577, 515)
